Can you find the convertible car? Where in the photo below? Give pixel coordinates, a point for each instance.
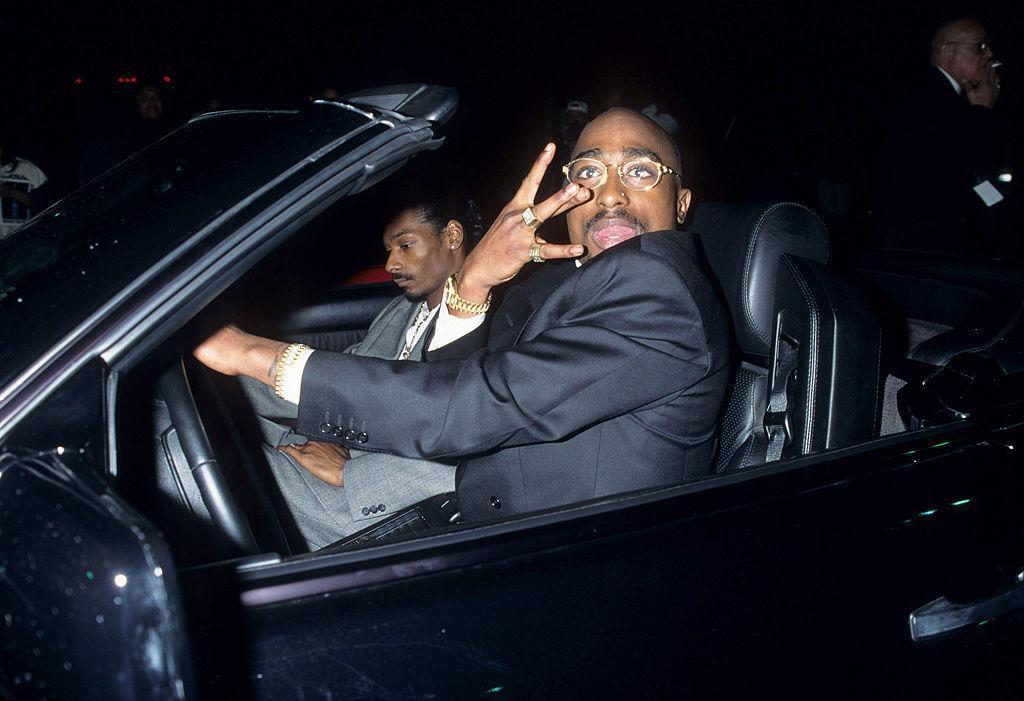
(860, 532)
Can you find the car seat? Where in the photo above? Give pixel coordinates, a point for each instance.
(808, 343)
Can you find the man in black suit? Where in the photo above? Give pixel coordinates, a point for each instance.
(601, 375)
(940, 146)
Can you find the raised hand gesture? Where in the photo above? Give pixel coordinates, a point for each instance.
(512, 240)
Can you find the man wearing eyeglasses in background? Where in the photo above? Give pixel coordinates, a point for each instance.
(940, 147)
(600, 374)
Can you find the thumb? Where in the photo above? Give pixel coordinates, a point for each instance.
(555, 251)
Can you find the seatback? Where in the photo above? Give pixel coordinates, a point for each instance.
(795, 327)
(834, 396)
(742, 243)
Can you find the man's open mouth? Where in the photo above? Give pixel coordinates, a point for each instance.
(607, 231)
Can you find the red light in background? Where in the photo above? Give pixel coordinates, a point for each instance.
(78, 80)
(167, 79)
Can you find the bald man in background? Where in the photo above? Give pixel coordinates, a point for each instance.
(940, 146)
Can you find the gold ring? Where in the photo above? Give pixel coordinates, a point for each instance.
(535, 255)
(530, 219)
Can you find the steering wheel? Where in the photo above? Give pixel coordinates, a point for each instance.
(175, 388)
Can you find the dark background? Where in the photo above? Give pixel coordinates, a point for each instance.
(772, 97)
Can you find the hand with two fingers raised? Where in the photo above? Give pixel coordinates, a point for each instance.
(511, 242)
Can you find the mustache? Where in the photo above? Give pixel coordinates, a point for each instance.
(402, 276)
(615, 214)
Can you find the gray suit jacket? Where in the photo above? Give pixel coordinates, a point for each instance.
(371, 478)
(594, 381)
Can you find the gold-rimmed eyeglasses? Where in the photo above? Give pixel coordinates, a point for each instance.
(636, 174)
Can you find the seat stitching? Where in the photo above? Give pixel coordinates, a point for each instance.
(821, 221)
(750, 254)
(750, 437)
(746, 269)
(750, 444)
(812, 365)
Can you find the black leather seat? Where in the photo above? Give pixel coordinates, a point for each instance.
(802, 331)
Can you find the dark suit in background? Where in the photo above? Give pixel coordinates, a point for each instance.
(598, 380)
(938, 148)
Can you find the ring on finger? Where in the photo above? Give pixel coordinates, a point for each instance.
(531, 219)
(535, 255)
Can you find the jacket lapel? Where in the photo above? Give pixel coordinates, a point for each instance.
(389, 331)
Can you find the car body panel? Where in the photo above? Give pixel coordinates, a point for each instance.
(90, 603)
(798, 576)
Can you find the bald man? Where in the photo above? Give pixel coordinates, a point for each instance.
(961, 51)
(940, 146)
(601, 374)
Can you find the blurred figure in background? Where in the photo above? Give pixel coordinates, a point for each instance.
(22, 188)
(125, 134)
(663, 119)
(574, 118)
(325, 94)
(940, 147)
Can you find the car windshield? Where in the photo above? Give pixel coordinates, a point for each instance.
(58, 269)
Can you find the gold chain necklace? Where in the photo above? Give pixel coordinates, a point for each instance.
(421, 316)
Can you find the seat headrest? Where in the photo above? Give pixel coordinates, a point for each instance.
(743, 243)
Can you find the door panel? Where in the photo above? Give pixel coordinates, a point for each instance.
(786, 581)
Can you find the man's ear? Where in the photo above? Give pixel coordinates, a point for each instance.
(454, 234)
(682, 204)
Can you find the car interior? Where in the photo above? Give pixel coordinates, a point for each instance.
(825, 358)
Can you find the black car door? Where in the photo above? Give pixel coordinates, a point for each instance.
(798, 578)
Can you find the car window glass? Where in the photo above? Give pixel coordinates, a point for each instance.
(57, 269)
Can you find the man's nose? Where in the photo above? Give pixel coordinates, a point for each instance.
(393, 265)
(612, 193)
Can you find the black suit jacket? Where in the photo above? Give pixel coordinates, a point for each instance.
(594, 381)
(938, 148)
